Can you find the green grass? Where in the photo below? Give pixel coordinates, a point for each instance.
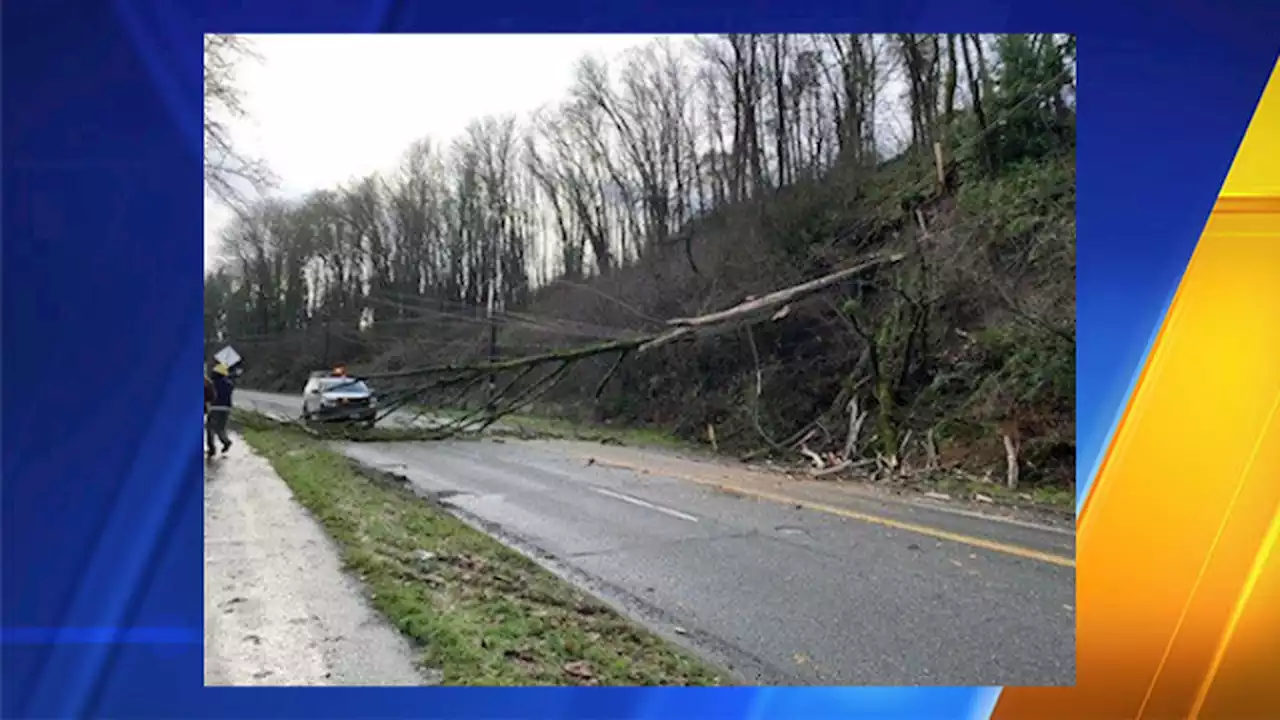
(481, 612)
(552, 427)
(632, 436)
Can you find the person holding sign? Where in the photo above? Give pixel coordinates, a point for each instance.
(219, 412)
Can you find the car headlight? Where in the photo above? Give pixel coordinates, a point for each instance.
(373, 401)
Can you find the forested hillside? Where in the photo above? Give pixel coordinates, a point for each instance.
(695, 175)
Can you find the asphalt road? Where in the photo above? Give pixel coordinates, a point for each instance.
(783, 586)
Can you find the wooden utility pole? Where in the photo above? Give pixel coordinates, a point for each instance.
(491, 394)
(940, 164)
(326, 340)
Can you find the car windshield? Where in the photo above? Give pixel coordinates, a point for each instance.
(343, 385)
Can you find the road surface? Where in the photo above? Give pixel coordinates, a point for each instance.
(785, 582)
(279, 609)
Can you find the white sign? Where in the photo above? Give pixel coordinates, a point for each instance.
(227, 356)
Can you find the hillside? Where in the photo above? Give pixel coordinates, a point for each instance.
(626, 207)
(977, 329)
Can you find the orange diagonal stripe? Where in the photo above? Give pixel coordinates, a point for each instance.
(1175, 579)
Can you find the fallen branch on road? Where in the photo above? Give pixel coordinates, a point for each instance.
(530, 377)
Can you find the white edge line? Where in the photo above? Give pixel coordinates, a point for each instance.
(644, 504)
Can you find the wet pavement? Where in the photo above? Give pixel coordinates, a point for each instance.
(279, 609)
(782, 594)
(784, 583)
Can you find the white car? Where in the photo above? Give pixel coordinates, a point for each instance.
(328, 398)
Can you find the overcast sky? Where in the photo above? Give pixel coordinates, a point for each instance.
(328, 108)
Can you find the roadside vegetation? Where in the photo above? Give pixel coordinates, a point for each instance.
(480, 612)
(686, 181)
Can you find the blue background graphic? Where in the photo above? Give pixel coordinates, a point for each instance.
(102, 312)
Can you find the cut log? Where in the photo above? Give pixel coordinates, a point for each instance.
(1011, 461)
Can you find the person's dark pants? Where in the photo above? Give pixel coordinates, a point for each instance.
(215, 426)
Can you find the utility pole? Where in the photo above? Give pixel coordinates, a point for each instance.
(326, 339)
(493, 338)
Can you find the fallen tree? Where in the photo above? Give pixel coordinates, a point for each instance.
(516, 383)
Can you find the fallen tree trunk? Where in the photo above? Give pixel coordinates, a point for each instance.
(767, 304)
(465, 376)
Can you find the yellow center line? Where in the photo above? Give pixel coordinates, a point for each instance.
(938, 533)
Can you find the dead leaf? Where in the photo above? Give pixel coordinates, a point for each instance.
(580, 669)
(800, 658)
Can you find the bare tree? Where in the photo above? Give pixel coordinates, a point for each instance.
(228, 172)
(686, 179)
